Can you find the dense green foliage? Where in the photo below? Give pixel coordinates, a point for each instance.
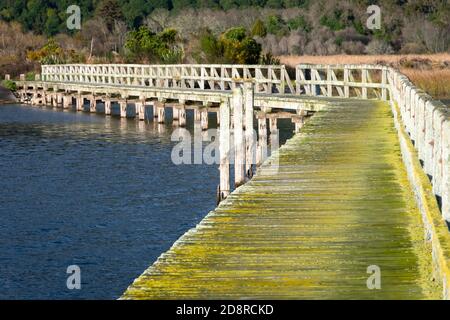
(48, 16)
(145, 45)
(233, 46)
(9, 84)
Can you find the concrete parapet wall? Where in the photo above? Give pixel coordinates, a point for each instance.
(436, 230)
(427, 123)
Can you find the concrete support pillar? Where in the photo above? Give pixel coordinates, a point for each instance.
(67, 101)
(299, 122)
(239, 140)
(204, 119)
(262, 142)
(54, 100)
(197, 115)
(136, 109)
(182, 116)
(92, 104)
(140, 110)
(80, 102)
(250, 136)
(107, 106)
(160, 113)
(123, 108)
(47, 98)
(175, 113)
(59, 99)
(273, 124)
(224, 150)
(274, 135)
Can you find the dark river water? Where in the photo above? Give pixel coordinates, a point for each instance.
(98, 192)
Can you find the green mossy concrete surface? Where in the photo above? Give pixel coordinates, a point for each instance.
(338, 202)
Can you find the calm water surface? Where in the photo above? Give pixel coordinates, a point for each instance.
(94, 191)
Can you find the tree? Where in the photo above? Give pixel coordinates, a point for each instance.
(259, 29)
(144, 45)
(239, 48)
(53, 23)
(110, 12)
(50, 53)
(211, 47)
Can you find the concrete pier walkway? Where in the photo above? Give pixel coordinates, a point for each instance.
(338, 202)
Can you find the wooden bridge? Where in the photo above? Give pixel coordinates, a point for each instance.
(364, 178)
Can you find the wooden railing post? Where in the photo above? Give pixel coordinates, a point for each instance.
(364, 82)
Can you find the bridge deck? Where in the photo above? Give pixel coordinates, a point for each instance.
(339, 202)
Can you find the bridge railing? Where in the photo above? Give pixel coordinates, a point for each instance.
(345, 81)
(267, 79)
(427, 121)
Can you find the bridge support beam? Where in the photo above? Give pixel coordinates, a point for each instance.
(92, 104)
(261, 154)
(182, 116)
(80, 102)
(59, 100)
(175, 113)
(67, 101)
(239, 140)
(107, 106)
(197, 115)
(123, 108)
(160, 113)
(204, 119)
(140, 110)
(299, 122)
(274, 134)
(224, 150)
(250, 137)
(54, 100)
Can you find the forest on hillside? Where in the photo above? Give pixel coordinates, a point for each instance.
(213, 31)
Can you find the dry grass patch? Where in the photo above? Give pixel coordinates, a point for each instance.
(430, 72)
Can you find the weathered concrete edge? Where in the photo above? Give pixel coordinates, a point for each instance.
(436, 230)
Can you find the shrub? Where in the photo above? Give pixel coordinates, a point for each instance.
(276, 25)
(259, 29)
(10, 85)
(299, 23)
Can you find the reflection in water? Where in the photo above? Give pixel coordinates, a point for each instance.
(95, 191)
